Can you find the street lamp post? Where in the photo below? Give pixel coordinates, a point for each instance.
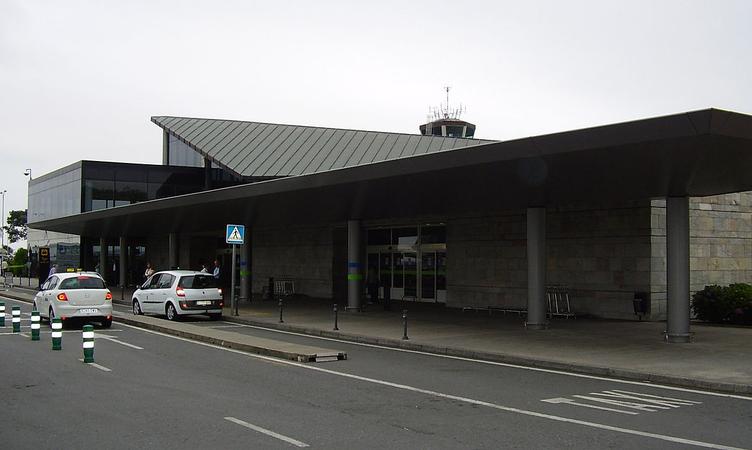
(27, 173)
(2, 236)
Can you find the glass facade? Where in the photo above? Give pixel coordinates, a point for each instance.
(57, 194)
(114, 184)
(182, 155)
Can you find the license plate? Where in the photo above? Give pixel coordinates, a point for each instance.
(203, 302)
(88, 310)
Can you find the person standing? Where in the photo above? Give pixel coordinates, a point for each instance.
(203, 268)
(53, 270)
(216, 272)
(149, 271)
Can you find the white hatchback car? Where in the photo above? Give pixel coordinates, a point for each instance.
(176, 293)
(80, 295)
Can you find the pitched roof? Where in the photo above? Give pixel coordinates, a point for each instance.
(255, 149)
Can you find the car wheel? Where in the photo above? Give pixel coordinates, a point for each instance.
(172, 313)
(215, 316)
(106, 323)
(137, 308)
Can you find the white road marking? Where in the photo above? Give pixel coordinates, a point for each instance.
(115, 340)
(560, 400)
(514, 366)
(102, 368)
(625, 399)
(510, 409)
(267, 432)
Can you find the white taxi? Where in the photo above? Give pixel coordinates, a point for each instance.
(176, 293)
(80, 295)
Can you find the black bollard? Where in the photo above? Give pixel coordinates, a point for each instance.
(404, 322)
(336, 328)
(122, 292)
(280, 311)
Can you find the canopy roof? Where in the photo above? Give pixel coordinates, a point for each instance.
(698, 153)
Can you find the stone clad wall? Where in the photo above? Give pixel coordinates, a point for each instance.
(303, 254)
(720, 229)
(486, 261)
(601, 252)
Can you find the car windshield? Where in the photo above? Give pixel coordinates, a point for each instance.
(198, 282)
(82, 282)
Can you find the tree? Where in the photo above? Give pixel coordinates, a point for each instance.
(19, 261)
(16, 230)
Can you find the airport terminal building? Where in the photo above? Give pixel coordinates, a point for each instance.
(652, 209)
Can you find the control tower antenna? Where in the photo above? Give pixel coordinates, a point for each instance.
(446, 121)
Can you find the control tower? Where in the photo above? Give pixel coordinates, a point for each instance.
(445, 121)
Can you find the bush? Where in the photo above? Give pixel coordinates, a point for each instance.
(732, 304)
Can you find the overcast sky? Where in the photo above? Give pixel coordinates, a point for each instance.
(80, 80)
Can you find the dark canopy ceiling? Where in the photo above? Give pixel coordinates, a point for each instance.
(697, 153)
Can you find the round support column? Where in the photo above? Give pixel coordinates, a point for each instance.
(677, 269)
(123, 261)
(354, 266)
(103, 257)
(172, 250)
(536, 269)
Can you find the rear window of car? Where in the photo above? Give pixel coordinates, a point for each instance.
(198, 282)
(82, 282)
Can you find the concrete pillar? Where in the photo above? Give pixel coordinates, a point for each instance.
(677, 269)
(354, 266)
(123, 261)
(245, 267)
(165, 148)
(536, 269)
(172, 250)
(103, 257)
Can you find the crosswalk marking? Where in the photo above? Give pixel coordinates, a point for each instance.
(620, 401)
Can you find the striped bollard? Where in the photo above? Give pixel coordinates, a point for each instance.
(88, 336)
(57, 334)
(35, 325)
(16, 312)
(2, 314)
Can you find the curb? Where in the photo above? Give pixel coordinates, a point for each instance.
(624, 374)
(248, 348)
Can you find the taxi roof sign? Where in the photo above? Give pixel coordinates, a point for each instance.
(235, 234)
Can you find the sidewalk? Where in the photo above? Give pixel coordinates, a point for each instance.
(719, 358)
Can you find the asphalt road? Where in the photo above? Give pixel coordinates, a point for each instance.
(155, 391)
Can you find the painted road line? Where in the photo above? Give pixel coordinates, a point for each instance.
(471, 401)
(562, 400)
(102, 368)
(624, 399)
(115, 340)
(513, 366)
(271, 433)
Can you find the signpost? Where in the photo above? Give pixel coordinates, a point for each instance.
(234, 235)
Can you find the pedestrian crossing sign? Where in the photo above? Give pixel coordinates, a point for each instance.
(235, 234)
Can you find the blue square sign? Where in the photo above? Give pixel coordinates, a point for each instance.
(235, 234)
